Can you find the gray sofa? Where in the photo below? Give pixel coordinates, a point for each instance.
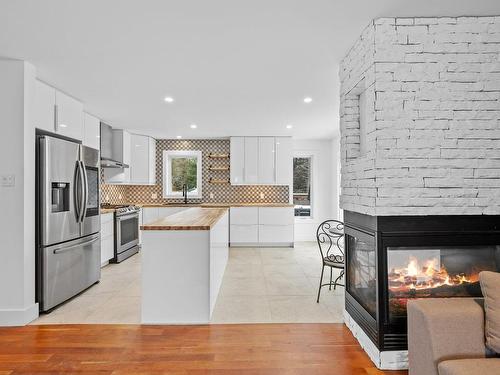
(446, 337)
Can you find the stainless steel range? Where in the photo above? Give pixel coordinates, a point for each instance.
(126, 231)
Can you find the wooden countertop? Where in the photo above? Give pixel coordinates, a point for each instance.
(107, 211)
(213, 205)
(195, 218)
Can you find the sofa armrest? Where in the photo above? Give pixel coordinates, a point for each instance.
(441, 329)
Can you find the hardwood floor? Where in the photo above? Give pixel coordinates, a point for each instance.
(311, 349)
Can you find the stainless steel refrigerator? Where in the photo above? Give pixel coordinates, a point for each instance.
(68, 220)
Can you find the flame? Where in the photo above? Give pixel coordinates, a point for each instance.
(412, 269)
(425, 275)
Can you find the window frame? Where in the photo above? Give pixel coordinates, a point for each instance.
(310, 156)
(168, 155)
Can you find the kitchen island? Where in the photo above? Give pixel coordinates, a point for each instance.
(184, 257)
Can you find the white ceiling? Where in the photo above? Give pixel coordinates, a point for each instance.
(233, 67)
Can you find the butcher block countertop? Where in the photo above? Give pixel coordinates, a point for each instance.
(107, 211)
(195, 218)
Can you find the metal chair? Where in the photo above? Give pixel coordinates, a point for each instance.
(329, 235)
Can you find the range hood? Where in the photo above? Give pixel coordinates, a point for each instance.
(111, 147)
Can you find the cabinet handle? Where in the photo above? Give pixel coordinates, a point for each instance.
(56, 118)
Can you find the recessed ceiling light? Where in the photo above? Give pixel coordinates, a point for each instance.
(193, 126)
(179, 137)
(289, 126)
(308, 100)
(169, 99)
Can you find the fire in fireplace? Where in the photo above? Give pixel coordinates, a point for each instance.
(392, 259)
(435, 272)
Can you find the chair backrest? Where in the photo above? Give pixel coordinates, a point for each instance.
(329, 235)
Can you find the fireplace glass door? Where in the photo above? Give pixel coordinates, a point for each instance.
(432, 272)
(362, 271)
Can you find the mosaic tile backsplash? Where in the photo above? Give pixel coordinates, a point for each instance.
(119, 194)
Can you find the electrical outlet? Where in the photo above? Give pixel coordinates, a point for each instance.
(120, 196)
(106, 198)
(262, 195)
(211, 195)
(9, 180)
(154, 196)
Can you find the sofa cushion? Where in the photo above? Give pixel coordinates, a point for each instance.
(482, 366)
(490, 286)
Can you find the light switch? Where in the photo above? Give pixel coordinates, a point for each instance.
(154, 196)
(9, 180)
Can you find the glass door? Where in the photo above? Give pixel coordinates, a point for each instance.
(436, 272)
(361, 266)
(128, 231)
(93, 191)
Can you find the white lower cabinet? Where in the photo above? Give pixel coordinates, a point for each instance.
(244, 234)
(276, 215)
(244, 215)
(107, 238)
(140, 223)
(270, 234)
(262, 226)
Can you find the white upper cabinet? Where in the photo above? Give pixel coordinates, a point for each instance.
(91, 131)
(284, 161)
(237, 160)
(58, 113)
(45, 101)
(261, 160)
(69, 116)
(142, 160)
(251, 160)
(152, 160)
(266, 161)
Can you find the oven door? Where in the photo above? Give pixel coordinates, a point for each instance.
(127, 232)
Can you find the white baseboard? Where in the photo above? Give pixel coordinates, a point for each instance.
(18, 317)
(388, 360)
(261, 244)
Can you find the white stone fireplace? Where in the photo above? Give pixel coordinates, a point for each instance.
(420, 138)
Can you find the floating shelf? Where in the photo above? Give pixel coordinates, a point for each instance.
(218, 156)
(223, 168)
(219, 181)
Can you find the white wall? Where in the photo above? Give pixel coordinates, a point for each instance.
(432, 117)
(325, 156)
(17, 222)
(337, 212)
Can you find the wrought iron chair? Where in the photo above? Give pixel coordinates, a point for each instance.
(330, 235)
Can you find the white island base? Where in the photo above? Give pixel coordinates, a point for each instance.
(182, 271)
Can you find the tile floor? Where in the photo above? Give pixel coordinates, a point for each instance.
(268, 285)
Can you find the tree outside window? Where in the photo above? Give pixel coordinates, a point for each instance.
(182, 168)
(302, 168)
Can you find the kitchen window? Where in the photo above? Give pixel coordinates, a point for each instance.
(302, 177)
(182, 168)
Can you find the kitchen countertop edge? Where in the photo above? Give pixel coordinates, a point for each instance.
(194, 218)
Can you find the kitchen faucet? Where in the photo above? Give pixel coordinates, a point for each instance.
(185, 193)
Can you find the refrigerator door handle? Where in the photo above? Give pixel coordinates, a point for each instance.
(81, 207)
(85, 190)
(76, 192)
(60, 250)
